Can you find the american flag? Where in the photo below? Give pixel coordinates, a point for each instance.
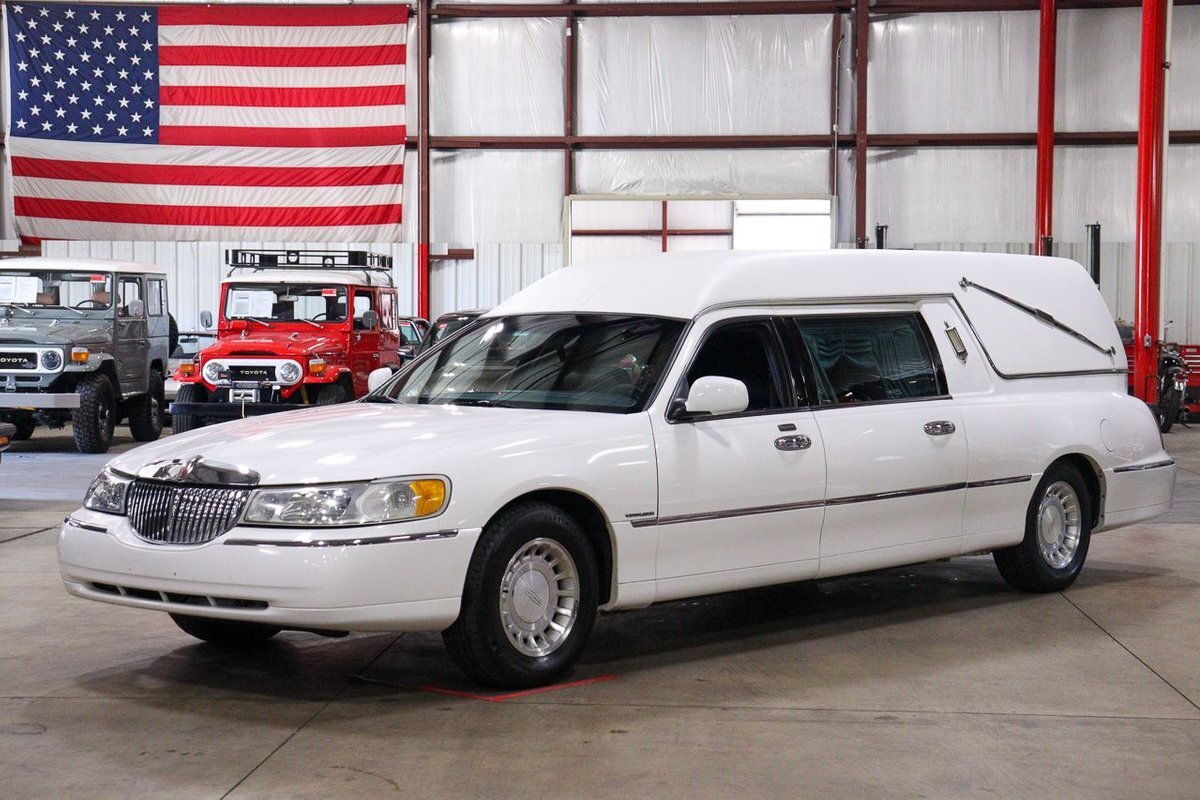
(212, 123)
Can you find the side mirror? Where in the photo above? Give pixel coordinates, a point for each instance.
(137, 308)
(712, 395)
(206, 319)
(370, 320)
(406, 351)
(378, 377)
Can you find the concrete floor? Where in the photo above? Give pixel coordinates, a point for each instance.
(929, 681)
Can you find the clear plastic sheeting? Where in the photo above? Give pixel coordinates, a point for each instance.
(1097, 69)
(1094, 184)
(496, 196)
(1183, 85)
(497, 77)
(969, 194)
(953, 73)
(1181, 198)
(720, 172)
(497, 272)
(679, 76)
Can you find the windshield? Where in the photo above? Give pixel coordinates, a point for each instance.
(53, 293)
(587, 362)
(283, 302)
(410, 332)
(449, 324)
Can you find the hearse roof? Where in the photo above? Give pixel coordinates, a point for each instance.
(683, 285)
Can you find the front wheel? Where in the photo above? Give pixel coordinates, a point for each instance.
(188, 393)
(96, 416)
(1058, 527)
(1170, 400)
(529, 601)
(225, 632)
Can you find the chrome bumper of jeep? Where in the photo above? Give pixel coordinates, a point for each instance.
(39, 400)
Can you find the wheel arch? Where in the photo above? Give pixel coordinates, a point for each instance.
(587, 513)
(1093, 475)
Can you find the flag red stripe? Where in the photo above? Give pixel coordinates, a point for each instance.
(281, 137)
(307, 57)
(277, 17)
(278, 97)
(179, 175)
(213, 216)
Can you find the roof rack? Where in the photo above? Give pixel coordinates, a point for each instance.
(357, 260)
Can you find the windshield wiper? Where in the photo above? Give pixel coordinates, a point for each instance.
(378, 398)
(314, 323)
(19, 308)
(259, 321)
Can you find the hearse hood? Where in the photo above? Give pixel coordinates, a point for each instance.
(64, 332)
(269, 343)
(363, 441)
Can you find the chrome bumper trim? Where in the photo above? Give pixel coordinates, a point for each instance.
(1170, 462)
(74, 523)
(38, 400)
(401, 537)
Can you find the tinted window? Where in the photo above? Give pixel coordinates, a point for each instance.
(743, 351)
(864, 359)
(591, 362)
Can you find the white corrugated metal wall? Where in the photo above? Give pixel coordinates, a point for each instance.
(929, 73)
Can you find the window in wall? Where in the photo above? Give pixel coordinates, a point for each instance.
(872, 358)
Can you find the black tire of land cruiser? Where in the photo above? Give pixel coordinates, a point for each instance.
(146, 412)
(188, 393)
(331, 395)
(96, 416)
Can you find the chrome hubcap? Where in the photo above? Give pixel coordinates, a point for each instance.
(539, 597)
(1060, 525)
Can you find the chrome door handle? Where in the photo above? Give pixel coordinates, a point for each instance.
(942, 427)
(797, 442)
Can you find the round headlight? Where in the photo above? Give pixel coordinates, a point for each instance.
(212, 371)
(289, 372)
(52, 359)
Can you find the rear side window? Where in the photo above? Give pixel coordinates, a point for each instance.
(156, 298)
(872, 358)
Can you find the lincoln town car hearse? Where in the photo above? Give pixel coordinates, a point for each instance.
(624, 433)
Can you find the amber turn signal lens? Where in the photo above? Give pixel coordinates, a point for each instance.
(430, 495)
(79, 354)
(187, 369)
(316, 366)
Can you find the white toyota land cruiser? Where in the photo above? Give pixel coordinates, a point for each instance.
(624, 433)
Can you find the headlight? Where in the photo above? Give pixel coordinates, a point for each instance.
(289, 372)
(107, 493)
(213, 370)
(388, 500)
(51, 360)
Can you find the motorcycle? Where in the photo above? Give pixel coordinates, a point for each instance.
(1172, 384)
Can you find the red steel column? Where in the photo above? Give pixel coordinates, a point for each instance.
(424, 38)
(1044, 214)
(1148, 231)
(862, 35)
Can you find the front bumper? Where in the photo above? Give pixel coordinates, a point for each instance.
(231, 410)
(39, 400)
(378, 578)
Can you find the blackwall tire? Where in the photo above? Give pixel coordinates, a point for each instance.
(96, 416)
(172, 335)
(188, 393)
(146, 412)
(1058, 527)
(225, 632)
(529, 601)
(25, 428)
(331, 395)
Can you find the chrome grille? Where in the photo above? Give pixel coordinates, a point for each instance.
(181, 513)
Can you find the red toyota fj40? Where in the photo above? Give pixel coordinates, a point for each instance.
(295, 328)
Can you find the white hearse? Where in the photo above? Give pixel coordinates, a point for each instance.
(624, 433)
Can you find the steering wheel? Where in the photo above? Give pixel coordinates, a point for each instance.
(317, 317)
(90, 304)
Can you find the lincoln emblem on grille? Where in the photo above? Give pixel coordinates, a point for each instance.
(199, 470)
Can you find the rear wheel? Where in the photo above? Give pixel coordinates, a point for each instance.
(146, 412)
(96, 416)
(1169, 402)
(225, 632)
(188, 393)
(529, 601)
(1058, 527)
